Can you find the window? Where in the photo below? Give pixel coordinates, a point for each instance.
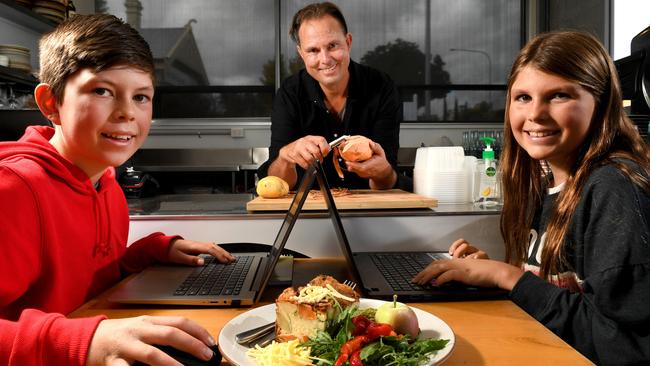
(630, 18)
(212, 56)
(472, 44)
(216, 58)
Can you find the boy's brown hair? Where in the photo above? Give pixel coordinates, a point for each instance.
(96, 42)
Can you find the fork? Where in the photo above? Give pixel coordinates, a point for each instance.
(350, 284)
(261, 335)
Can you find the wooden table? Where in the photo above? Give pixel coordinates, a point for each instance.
(487, 332)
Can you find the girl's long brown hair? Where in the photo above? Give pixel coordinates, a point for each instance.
(580, 58)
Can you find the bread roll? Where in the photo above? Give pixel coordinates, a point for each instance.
(299, 317)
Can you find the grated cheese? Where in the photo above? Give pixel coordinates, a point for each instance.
(287, 353)
(338, 294)
(314, 294)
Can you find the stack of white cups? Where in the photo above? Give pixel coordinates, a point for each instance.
(443, 173)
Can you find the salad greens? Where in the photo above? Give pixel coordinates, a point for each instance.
(387, 350)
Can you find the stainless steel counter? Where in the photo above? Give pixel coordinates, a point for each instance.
(222, 218)
(190, 205)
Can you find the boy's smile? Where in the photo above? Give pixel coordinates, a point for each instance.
(550, 118)
(103, 118)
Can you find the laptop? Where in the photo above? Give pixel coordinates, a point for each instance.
(237, 284)
(384, 274)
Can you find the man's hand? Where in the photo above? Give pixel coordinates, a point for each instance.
(305, 151)
(183, 251)
(123, 341)
(377, 169)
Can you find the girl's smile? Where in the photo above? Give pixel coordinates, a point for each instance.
(550, 118)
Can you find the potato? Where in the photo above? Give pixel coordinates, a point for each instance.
(272, 187)
(357, 148)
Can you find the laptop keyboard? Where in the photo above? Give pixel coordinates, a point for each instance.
(399, 269)
(214, 278)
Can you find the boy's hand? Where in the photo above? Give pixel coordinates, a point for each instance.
(476, 272)
(183, 251)
(123, 341)
(463, 249)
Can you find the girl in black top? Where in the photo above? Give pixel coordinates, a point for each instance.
(576, 204)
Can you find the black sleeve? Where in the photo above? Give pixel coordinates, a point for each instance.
(609, 321)
(387, 127)
(285, 128)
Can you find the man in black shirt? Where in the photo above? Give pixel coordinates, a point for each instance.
(331, 97)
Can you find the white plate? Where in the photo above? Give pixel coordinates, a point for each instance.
(430, 325)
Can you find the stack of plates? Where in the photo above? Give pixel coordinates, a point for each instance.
(51, 9)
(25, 3)
(444, 173)
(18, 56)
(439, 158)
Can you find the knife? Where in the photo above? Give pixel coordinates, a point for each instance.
(255, 333)
(262, 341)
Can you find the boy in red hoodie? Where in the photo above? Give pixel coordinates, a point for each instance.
(63, 217)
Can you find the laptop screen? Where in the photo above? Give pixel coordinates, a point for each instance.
(336, 222)
(287, 225)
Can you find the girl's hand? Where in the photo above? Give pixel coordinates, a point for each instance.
(476, 272)
(123, 341)
(183, 251)
(463, 249)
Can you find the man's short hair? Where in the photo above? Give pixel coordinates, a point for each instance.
(315, 11)
(96, 42)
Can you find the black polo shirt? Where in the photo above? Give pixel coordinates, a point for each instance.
(373, 109)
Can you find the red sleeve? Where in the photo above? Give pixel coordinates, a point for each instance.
(20, 262)
(36, 338)
(151, 249)
(39, 338)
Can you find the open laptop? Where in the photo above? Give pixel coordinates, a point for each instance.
(384, 274)
(237, 284)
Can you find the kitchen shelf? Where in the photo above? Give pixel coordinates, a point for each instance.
(25, 17)
(18, 14)
(8, 74)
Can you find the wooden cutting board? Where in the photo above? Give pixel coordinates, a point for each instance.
(356, 199)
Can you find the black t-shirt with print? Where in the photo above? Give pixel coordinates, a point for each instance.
(607, 252)
(566, 277)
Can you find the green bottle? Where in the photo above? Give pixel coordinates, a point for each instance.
(486, 183)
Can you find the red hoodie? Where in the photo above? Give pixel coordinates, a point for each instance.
(62, 242)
